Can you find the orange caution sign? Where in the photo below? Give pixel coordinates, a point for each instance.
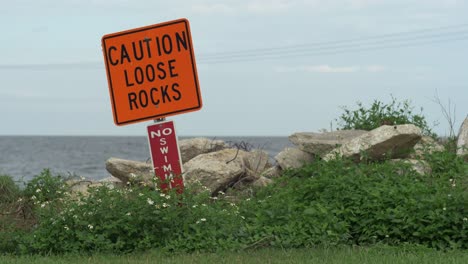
(151, 72)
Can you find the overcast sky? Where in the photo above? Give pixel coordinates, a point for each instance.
(53, 80)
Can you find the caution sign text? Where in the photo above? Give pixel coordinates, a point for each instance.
(151, 72)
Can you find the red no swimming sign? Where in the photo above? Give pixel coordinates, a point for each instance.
(165, 155)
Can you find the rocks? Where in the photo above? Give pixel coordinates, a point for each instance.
(419, 166)
(262, 182)
(462, 141)
(190, 148)
(272, 172)
(426, 145)
(216, 170)
(129, 170)
(382, 142)
(293, 158)
(256, 162)
(322, 143)
(82, 186)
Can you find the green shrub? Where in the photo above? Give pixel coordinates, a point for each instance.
(9, 191)
(343, 202)
(112, 220)
(324, 203)
(45, 187)
(379, 113)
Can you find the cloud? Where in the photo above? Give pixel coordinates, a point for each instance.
(375, 68)
(329, 69)
(318, 69)
(215, 8)
(269, 6)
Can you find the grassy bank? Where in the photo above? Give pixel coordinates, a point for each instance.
(337, 255)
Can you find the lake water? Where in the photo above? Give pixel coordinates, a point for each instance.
(23, 157)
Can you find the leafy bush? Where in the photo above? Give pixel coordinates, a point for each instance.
(363, 204)
(45, 187)
(324, 203)
(379, 113)
(113, 220)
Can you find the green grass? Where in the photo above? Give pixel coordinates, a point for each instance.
(376, 254)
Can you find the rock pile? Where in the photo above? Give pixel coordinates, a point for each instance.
(220, 168)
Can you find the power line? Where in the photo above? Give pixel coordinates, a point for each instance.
(329, 50)
(379, 42)
(414, 34)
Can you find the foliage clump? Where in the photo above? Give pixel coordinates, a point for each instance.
(324, 203)
(380, 113)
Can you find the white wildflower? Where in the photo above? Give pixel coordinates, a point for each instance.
(165, 205)
(90, 227)
(20, 199)
(132, 175)
(168, 197)
(451, 180)
(162, 195)
(75, 216)
(242, 217)
(66, 228)
(33, 197)
(194, 206)
(221, 192)
(43, 205)
(140, 194)
(198, 222)
(38, 190)
(444, 208)
(129, 214)
(248, 199)
(203, 205)
(465, 219)
(157, 206)
(203, 219)
(386, 235)
(214, 198)
(150, 202)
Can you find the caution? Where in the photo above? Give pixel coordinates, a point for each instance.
(151, 72)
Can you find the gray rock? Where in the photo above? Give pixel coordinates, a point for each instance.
(190, 148)
(112, 181)
(262, 182)
(130, 171)
(217, 170)
(420, 166)
(257, 161)
(426, 145)
(82, 186)
(272, 172)
(293, 158)
(322, 143)
(462, 141)
(382, 142)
